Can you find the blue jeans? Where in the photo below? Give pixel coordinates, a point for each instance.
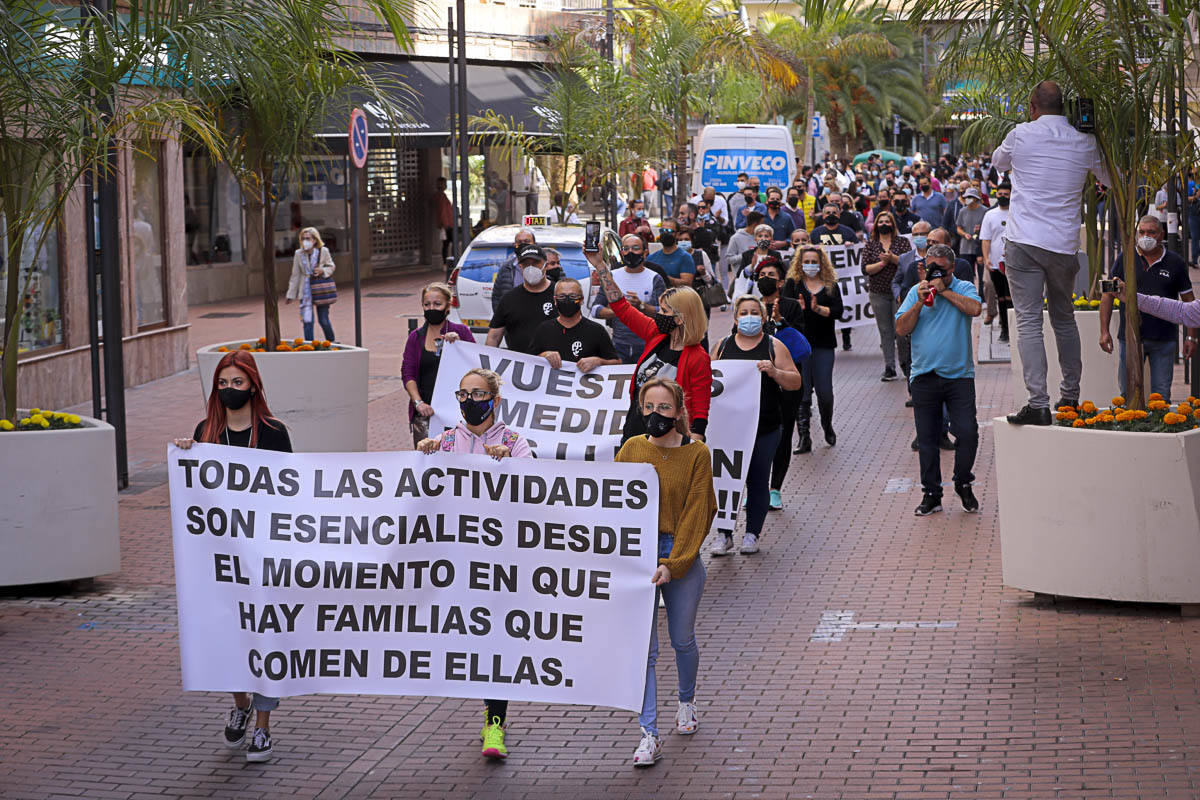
(260, 702)
(1161, 355)
(1194, 238)
(629, 354)
(322, 315)
(758, 479)
(681, 596)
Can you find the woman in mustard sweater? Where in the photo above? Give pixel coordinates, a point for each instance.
(686, 507)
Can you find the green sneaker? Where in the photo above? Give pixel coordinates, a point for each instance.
(493, 739)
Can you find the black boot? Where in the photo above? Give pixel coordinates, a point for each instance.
(803, 422)
(827, 423)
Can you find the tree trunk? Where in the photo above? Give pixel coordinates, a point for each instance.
(679, 156)
(1135, 394)
(12, 319)
(270, 291)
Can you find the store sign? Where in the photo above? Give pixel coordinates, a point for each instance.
(720, 168)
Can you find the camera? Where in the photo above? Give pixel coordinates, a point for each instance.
(1081, 111)
(591, 237)
(1109, 286)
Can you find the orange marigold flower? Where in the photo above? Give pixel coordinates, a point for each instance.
(1155, 396)
(222, 349)
(306, 347)
(1091, 420)
(1088, 407)
(1066, 416)
(1157, 405)
(1174, 419)
(1078, 423)
(283, 348)
(1185, 409)
(262, 340)
(1118, 401)
(244, 346)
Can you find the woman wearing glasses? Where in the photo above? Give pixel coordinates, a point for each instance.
(480, 433)
(686, 507)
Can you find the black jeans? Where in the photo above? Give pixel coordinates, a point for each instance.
(790, 405)
(929, 392)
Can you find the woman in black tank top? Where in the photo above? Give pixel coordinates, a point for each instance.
(749, 342)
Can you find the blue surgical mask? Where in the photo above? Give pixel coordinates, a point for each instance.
(749, 325)
(685, 245)
(640, 214)
(919, 242)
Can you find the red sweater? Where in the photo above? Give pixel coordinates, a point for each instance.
(694, 372)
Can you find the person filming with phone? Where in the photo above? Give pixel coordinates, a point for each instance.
(937, 314)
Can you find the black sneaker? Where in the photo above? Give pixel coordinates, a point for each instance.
(916, 445)
(235, 729)
(929, 505)
(1030, 416)
(908, 403)
(889, 374)
(1066, 401)
(1003, 337)
(945, 443)
(970, 504)
(260, 746)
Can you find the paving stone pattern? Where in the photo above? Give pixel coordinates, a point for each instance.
(862, 654)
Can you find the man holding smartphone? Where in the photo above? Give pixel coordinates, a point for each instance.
(1160, 273)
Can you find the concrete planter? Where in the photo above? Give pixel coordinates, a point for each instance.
(321, 396)
(1099, 380)
(1073, 520)
(58, 520)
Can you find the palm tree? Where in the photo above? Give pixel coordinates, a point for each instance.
(824, 37)
(594, 117)
(1121, 54)
(682, 46)
(57, 62)
(273, 93)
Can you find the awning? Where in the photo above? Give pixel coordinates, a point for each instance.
(510, 91)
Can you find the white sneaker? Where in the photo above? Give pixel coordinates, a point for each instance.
(649, 750)
(685, 719)
(723, 547)
(749, 544)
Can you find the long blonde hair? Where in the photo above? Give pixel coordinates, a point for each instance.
(827, 274)
(691, 311)
(313, 232)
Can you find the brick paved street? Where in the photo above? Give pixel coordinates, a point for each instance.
(808, 687)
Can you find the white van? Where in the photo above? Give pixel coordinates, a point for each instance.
(723, 151)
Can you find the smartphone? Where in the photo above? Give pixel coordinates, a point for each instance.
(591, 237)
(1087, 115)
(1109, 286)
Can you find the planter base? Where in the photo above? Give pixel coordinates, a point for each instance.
(1070, 527)
(58, 521)
(1099, 380)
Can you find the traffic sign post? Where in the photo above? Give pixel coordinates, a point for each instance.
(357, 144)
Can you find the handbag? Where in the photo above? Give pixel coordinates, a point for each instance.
(714, 294)
(323, 290)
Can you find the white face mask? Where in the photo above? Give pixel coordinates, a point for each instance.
(532, 275)
(811, 270)
(307, 244)
(1147, 243)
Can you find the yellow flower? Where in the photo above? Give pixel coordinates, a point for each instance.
(1078, 423)
(1093, 304)
(44, 422)
(37, 419)
(5, 425)
(74, 419)
(33, 411)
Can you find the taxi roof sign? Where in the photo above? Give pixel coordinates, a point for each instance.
(535, 219)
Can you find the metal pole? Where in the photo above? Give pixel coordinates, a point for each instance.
(1172, 195)
(352, 174)
(1185, 233)
(110, 292)
(464, 174)
(455, 238)
(89, 238)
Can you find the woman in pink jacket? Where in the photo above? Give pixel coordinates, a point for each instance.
(481, 433)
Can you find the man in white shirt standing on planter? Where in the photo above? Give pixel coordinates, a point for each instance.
(1049, 162)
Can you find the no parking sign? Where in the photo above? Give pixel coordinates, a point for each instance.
(358, 138)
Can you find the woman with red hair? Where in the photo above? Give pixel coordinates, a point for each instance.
(238, 416)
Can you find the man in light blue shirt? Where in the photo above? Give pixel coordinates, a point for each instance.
(942, 372)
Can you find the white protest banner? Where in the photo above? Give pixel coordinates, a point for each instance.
(567, 414)
(403, 573)
(856, 297)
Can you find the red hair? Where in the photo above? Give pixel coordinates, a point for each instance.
(216, 417)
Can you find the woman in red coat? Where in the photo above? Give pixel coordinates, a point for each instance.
(674, 349)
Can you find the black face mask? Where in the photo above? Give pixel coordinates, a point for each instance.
(475, 412)
(793, 201)
(768, 286)
(884, 228)
(902, 207)
(774, 203)
(435, 316)
(751, 201)
(831, 220)
(925, 187)
(667, 239)
(567, 307)
(1003, 201)
(665, 323)
(762, 245)
(631, 259)
(657, 424)
(233, 399)
(555, 274)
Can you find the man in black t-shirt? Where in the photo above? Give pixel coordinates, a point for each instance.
(525, 307)
(833, 231)
(570, 337)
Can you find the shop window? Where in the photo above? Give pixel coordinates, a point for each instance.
(394, 209)
(146, 240)
(317, 200)
(212, 212)
(39, 282)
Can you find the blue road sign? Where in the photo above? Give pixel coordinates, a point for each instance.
(358, 137)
